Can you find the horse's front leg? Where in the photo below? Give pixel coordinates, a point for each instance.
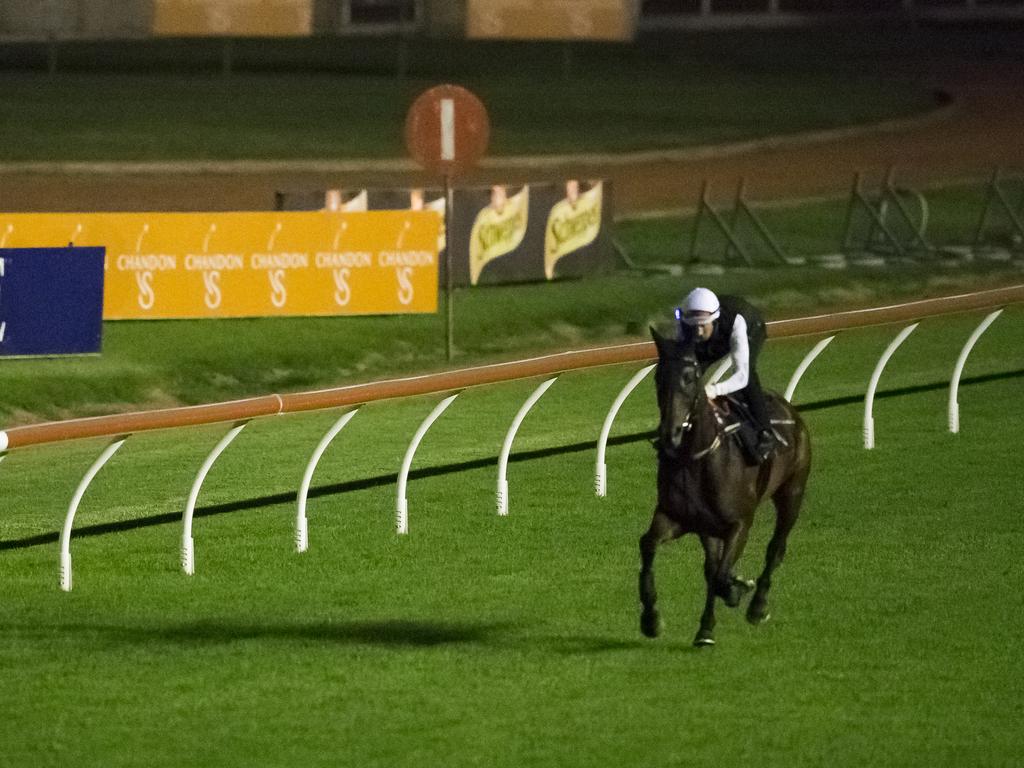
(661, 529)
(727, 586)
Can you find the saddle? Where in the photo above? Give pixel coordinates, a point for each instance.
(736, 422)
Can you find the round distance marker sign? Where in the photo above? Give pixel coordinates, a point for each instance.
(447, 130)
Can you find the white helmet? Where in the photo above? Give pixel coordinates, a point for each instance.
(700, 307)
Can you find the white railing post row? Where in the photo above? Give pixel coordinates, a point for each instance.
(506, 447)
(601, 469)
(402, 510)
(301, 524)
(809, 358)
(69, 519)
(954, 384)
(869, 398)
(188, 556)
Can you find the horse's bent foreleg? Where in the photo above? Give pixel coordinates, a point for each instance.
(727, 586)
(787, 505)
(661, 529)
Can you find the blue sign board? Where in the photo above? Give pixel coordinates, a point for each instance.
(51, 301)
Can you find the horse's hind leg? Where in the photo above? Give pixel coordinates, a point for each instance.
(714, 550)
(661, 529)
(712, 556)
(787, 499)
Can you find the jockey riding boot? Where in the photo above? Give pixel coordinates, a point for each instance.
(766, 445)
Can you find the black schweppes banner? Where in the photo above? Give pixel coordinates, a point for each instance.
(501, 234)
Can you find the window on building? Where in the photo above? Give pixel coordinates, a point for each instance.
(382, 11)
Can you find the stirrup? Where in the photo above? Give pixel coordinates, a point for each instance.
(778, 437)
(767, 443)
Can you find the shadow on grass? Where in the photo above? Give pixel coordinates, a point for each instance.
(388, 634)
(170, 518)
(385, 633)
(589, 646)
(582, 645)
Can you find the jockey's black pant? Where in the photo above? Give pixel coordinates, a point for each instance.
(752, 394)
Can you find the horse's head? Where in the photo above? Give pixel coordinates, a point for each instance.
(677, 379)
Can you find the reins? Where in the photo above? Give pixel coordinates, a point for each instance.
(688, 425)
(718, 413)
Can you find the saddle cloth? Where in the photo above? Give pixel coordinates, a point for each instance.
(738, 424)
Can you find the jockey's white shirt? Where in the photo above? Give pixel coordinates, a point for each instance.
(739, 360)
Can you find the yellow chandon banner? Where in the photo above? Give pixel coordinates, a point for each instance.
(238, 18)
(189, 265)
(551, 19)
(574, 223)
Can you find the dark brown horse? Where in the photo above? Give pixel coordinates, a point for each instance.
(706, 487)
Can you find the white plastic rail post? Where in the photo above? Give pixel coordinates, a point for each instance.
(809, 358)
(69, 519)
(954, 384)
(188, 556)
(402, 507)
(301, 524)
(869, 399)
(506, 447)
(601, 469)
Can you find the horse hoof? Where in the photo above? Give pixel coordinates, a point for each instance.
(651, 624)
(734, 592)
(756, 618)
(734, 597)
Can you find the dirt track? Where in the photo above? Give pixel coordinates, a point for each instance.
(985, 128)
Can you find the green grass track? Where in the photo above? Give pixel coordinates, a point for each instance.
(476, 640)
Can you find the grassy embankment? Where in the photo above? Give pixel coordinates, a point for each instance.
(341, 99)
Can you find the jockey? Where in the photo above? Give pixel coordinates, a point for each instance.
(732, 327)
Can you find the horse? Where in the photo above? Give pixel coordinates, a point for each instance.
(707, 487)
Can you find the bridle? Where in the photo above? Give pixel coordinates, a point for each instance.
(719, 431)
(674, 453)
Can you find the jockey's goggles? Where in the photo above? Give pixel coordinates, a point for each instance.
(696, 318)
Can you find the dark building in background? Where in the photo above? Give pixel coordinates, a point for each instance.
(118, 19)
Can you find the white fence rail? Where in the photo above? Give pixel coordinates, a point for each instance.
(869, 398)
(506, 447)
(273, 404)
